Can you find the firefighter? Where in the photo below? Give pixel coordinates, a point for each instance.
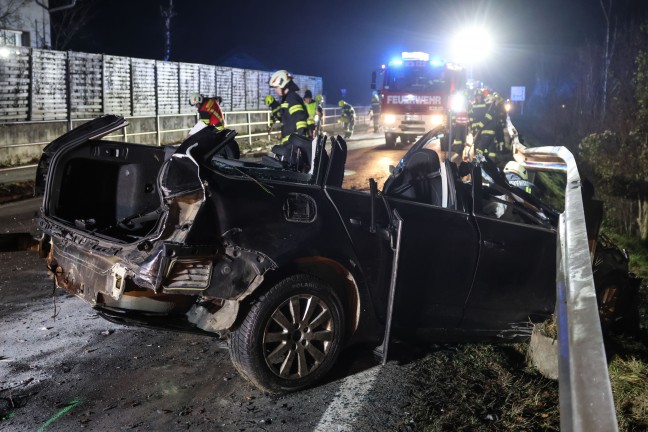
(319, 121)
(347, 118)
(275, 111)
(518, 176)
(482, 123)
(499, 117)
(314, 113)
(293, 112)
(209, 110)
(374, 111)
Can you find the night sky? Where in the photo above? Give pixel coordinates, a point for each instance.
(343, 41)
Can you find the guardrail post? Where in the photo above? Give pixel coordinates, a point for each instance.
(249, 129)
(157, 129)
(68, 91)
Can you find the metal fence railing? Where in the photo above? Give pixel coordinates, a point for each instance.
(250, 126)
(586, 401)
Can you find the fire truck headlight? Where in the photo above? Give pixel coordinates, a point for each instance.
(437, 119)
(390, 119)
(458, 103)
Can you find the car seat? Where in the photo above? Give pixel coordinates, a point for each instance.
(419, 180)
(335, 173)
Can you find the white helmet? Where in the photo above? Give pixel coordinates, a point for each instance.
(516, 168)
(280, 79)
(195, 98)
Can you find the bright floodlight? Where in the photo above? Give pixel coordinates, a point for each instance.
(472, 45)
(4, 52)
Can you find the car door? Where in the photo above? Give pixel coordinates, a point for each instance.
(371, 242)
(438, 256)
(515, 277)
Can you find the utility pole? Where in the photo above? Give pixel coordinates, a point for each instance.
(167, 15)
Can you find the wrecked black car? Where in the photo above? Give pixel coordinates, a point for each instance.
(281, 258)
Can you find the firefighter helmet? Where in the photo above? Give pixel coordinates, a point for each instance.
(308, 94)
(280, 79)
(319, 99)
(269, 99)
(516, 168)
(341, 103)
(195, 98)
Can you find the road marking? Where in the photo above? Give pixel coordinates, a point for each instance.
(340, 416)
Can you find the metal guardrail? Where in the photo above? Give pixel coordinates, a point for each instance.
(586, 401)
(330, 119)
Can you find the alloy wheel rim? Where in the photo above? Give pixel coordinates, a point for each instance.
(298, 336)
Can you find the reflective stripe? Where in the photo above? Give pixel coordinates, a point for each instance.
(206, 121)
(300, 124)
(284, 105)
(488, 116)
(220, 127)
(488, 132)
(293, 109)
(310, 121)
(284, 139)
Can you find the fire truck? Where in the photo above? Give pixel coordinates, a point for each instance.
(416, 94)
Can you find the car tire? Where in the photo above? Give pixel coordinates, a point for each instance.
(291, 336)
(618, 306)
(390, 141)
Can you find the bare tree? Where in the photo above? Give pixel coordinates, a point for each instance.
(8, 13)
(167, 14)
(67, 23)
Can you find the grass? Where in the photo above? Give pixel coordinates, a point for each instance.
(483, 388)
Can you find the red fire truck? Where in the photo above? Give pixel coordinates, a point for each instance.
(415, 95)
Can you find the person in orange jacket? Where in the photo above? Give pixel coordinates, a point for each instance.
(209, 110)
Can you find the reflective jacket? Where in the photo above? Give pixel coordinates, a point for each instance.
(519, 182)
(275, 115)
(348, 113)
(210, 113)
(293, 116)
(375, 104)
(312, 111)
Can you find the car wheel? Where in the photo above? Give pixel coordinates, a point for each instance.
(390, 141)
(291, 336)
(618, 308)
